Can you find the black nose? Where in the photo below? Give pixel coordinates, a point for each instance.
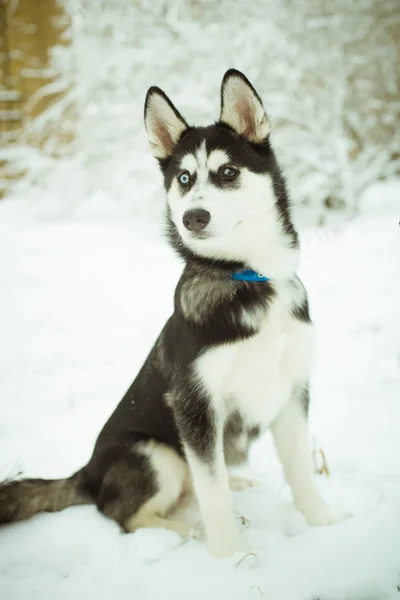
(196, 220)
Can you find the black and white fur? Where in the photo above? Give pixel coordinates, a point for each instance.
(233, 359)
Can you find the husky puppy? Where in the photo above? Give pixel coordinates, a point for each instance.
(233, 359)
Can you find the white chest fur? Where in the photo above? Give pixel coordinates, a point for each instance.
(257, 376)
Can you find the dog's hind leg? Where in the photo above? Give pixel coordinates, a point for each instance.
(171, 472)
(148, 518)
(141, 487)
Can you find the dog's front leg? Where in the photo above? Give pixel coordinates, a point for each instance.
(212, 489)
(290, 434)
(202, 434)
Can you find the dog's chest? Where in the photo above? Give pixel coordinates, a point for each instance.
(256, 376)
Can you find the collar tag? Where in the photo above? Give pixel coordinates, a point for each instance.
(248, 275)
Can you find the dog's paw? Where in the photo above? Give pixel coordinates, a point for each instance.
(322, 515)
(239, 484)
(227, 546)
(181, 528)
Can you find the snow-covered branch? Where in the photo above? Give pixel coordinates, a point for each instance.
(328, 74)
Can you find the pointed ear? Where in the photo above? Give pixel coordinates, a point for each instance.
(241, 107)
(164, 124)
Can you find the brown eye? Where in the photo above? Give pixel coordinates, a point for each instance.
(184, 178)
(228, 173)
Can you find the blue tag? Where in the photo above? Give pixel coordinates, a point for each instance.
(248, 275)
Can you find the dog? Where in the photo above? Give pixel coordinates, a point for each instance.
(233, 360)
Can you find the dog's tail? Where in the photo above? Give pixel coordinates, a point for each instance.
(21, 499)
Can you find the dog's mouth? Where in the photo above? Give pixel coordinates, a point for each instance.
(200, 235)
(206, 235)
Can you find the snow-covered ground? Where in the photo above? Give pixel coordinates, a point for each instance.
(80, 305)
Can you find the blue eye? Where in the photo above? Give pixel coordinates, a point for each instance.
(184, 178)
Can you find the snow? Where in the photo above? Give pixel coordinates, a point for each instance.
(83, 264)
(80, 305)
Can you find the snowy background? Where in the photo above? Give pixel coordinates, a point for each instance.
(328, 73)
(83, 260)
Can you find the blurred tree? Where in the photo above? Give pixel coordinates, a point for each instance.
(28, 81)
(328, 73)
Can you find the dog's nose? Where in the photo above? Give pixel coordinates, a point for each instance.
(196, 219)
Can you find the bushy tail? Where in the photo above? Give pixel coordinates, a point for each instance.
(21, 499)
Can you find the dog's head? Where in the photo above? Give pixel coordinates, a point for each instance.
(224, 188)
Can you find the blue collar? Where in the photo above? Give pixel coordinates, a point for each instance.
(248, 275)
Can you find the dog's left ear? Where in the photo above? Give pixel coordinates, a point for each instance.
(164, 124)
(241, 107)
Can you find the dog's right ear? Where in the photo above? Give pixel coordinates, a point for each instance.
(164, 124)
